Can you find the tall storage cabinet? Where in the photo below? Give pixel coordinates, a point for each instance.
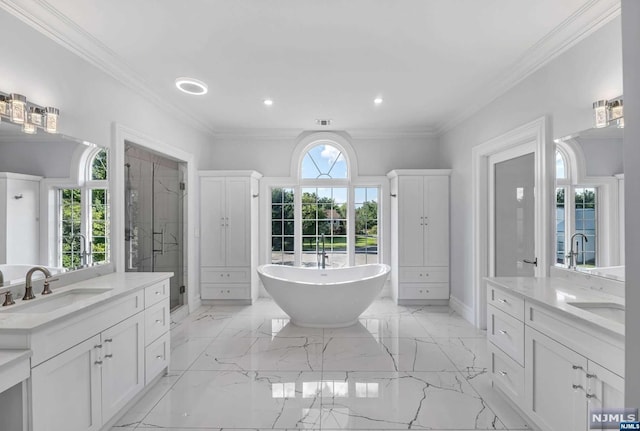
(420, 235)
(229, 235)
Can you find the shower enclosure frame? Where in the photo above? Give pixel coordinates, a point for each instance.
(122, 134)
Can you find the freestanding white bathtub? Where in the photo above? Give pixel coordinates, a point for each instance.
(324, 298)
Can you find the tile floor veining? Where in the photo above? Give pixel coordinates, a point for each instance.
(247, 367)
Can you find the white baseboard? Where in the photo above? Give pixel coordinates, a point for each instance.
(462, 309)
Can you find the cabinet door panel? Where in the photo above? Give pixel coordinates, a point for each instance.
(411, 220)
(212, 222)
(552, 401)
(436, 240)
(606, 388)
(123, 364)
(66, 390)
(239, 222)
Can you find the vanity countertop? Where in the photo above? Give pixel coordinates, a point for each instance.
(557, 293)
(116, 285)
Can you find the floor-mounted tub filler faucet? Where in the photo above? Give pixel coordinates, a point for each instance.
(573, 255)
(323, 254)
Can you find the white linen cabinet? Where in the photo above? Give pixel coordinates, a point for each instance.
(420, 235)
(229, 235)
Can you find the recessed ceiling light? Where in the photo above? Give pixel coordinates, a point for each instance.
(191, 86)
(268, 102)
(377, 100)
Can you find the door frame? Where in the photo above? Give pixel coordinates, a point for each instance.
(121, 134)
(534, 135)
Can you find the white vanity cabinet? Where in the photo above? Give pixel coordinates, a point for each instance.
(87, 366)
(552, 367)
(420, 234)
(229, 234)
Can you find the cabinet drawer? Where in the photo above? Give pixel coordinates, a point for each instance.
(225, 275)
(157, 321)
(156, 357)
(214, 291)
(61, 336)
(424, 291)
(428, 274)
(507, 375)
(507, 333)
(505, 301)
(156, 293)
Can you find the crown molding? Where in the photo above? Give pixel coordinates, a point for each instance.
(585, 21)
(46, 19)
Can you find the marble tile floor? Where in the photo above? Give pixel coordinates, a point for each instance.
(247, 367)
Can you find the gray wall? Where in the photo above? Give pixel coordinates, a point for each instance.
(603, 157)
(563, 90)
(631, 51)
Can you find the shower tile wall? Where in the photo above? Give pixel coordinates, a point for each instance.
(155, 204)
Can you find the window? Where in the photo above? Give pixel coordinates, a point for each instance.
(84, 217)
(324, 209)
(576, 212)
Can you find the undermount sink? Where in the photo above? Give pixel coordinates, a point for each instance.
(46, 304)
(608, 310)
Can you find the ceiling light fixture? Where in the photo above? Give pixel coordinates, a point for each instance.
(191, 86)
(377, 100)
(268, 102)
(29, 115)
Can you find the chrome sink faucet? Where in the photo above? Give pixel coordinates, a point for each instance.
(573, 255)
(28, 292)
(86, 249)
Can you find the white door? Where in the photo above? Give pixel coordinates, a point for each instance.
(436, 221)
(514, 216)
(123, 364)
(411, 220)
(238, 222)
(212, 222)
(66, 390)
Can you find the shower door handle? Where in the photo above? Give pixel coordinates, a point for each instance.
(161, 233)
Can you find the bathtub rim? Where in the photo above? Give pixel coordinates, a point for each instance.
(387, 270)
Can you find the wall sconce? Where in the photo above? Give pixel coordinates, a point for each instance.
(16, 109)
(600, 113)
(608, 112)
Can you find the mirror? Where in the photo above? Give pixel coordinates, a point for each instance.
(589, 224)
(54, 208)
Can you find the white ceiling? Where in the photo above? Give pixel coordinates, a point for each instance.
(433, 61)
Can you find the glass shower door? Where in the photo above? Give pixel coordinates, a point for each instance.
(154, 217)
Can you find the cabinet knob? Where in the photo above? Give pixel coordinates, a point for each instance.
(591, 376)
(228, 275)
(576, 367)
(426, 274)
(503, 301)
(576, 386)
(228, 291)
(98, 346)
(109, 356)
(502, 373)
(420, 290)
(98, 363)
(590, 396)
(158, 321)
(157, 293)
(108, 340)
(503, 332)
(159, 357)
(221, 275)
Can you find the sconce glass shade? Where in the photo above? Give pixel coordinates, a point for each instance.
(601, 113)
(4, 106)
(615, 109)
(35, 116)
(18, 108)
(29, 128)
(51, 119)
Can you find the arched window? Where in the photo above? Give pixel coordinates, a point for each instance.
(324, 208)
(84, 215)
